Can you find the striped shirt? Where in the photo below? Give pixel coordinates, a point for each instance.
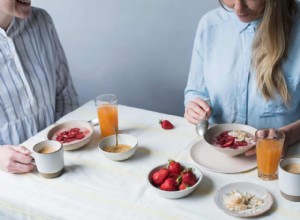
(35, 84)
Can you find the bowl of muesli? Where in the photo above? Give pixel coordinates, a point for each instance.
(230, 139)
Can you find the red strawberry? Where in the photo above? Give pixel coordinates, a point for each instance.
(228, 143)
(173, 175)
(188, 177)
(242, 143)
(75, 130)
(80, 135)
(183, 186)
(174, 167)
(59, 138)
(224, 134)
(160, 176)
(169, 184)
(165, 124)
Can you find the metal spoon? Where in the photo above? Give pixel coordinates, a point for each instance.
(202, 125)
(116, 131)
(94, 121)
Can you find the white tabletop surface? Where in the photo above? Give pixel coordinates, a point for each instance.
(94, 187)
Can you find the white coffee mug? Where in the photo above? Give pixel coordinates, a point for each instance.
(49, 158)
(289, 178)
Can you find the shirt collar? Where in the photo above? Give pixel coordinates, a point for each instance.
(242, 26)
(11, 25)
(5, 33)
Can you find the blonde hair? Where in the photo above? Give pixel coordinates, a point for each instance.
(270, 48)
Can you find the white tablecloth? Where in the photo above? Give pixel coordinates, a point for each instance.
(94, 187)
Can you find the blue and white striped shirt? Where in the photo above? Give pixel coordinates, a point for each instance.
(35, 84)
(221, 70)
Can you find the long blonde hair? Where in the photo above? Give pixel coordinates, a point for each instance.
(270, 47)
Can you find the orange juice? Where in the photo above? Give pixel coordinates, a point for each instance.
(108, 119)
(268, 153)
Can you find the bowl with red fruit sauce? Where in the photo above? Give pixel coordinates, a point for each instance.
(174, 180)
(72, 134)
(230, 139)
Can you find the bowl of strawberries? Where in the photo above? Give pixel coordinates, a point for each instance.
(72, 134)
(174, 180)
(230, 139)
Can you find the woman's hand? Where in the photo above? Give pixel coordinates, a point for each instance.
(196, 110)
(15, 159)
(252, 151)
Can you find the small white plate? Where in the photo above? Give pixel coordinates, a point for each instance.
(250, 188)
(207, 157)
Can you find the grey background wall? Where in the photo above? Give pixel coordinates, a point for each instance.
(138, 49)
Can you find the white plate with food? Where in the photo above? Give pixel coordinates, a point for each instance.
(207, 157)
(243, 199)
(72, 134)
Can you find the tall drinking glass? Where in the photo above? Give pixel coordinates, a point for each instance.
(107, 109)
(269, 145)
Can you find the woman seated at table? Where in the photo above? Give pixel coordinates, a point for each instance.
(246, 62)
(35, 84)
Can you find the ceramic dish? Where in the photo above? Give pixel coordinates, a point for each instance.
(176, 194)
(122, 139)
(85, 127)
(208, 158)
(244, 187)
(213, 131)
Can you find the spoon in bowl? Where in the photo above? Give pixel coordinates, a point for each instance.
(202, 125)
(116, 131)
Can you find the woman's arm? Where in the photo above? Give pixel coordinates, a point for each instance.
(292, 133)
(66, 96)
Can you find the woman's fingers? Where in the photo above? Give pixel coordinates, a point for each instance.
(203, 104)
(21, 158)
(22, 168)
(196, 110)
(21, 149)
(15, 161)
(188, 116)
(251, 152)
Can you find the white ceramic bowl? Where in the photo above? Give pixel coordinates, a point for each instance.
(214, 130)
(176, 194)
(51, 135)
(122, 139)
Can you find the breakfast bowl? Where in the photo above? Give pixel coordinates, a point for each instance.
(127, 146)
(72, 134)
(230, 139)
(178, 193)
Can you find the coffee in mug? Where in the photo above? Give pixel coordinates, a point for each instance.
(292, 168)
(47, 150)
(289, 178)
(49, 158)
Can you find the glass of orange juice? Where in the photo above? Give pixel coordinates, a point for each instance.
(269, 145)
(107, 109)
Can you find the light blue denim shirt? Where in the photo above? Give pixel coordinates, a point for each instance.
(221, 71)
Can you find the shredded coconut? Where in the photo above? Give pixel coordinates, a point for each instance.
(240, 201)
